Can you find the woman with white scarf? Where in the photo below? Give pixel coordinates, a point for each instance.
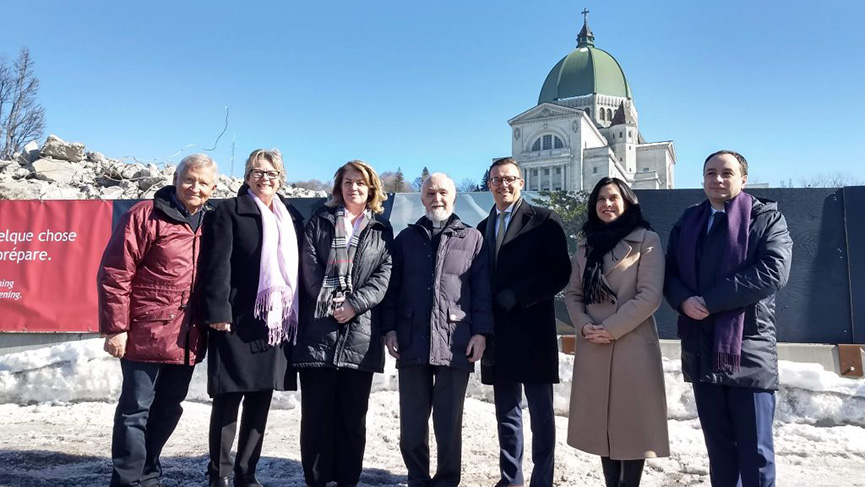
(250, 297)
(346, 266)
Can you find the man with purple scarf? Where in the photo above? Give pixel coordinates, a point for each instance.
(726, 259)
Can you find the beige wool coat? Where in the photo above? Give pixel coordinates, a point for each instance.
(618, 404)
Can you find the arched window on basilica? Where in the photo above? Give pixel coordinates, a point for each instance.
(547, 142)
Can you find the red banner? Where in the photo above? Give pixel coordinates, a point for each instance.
(49, 255)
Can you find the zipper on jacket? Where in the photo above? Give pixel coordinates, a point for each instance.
(342, 331)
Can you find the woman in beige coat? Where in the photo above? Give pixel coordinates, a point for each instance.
(618, 406)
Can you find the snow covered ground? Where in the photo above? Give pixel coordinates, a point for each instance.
(57, 403)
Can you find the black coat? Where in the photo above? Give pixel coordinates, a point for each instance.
(533, 264)
(764, 272)
(358, 344)
(436, 303)
(240, 360)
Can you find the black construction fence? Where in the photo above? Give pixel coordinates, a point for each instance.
(824, 300)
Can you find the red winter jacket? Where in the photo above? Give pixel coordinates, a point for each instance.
(145, 283)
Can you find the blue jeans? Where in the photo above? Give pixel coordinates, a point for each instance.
(737, 427)
(539, 397)
(147, 413)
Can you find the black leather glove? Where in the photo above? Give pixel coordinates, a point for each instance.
(507, 300)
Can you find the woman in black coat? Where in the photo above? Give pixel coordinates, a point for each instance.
(251, 293)
(346, 266)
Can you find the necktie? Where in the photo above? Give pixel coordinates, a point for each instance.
(500, 236)
(718, 219)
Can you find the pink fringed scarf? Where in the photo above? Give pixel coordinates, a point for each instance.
(277, 298)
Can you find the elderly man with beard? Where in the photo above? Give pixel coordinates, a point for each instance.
(438, 315)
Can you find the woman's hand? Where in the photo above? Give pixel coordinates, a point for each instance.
(344, 313)
(221, 326)
(597, 334)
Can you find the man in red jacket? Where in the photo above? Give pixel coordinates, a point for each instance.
(145, 286)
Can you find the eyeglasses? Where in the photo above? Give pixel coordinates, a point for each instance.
(259, 174)
(509, 180)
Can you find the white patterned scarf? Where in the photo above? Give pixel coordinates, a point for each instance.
(337, 273)
(277, 299)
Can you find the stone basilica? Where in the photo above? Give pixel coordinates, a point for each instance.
(585, 126)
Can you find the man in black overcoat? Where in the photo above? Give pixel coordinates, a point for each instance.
(726, 259)
(529, 265)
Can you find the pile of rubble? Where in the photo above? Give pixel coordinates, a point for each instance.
(66, 171)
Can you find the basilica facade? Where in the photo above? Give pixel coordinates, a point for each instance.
(586, 126)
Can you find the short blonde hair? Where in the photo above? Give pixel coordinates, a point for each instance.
(376, 195)
(272, 156)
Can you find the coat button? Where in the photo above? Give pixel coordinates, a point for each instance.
(453, 317)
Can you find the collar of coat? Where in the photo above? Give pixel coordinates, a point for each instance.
(523, 219)
(619, 253)
(328, 213)
(162, 202)
(455, 226)
(247, 206)
(758, 207)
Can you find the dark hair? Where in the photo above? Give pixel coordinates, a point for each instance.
(505, 160)
(632, 213)
(743, 164)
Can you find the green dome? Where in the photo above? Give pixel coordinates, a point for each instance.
(585, 71)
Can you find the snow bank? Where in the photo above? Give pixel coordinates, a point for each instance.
(82, 371)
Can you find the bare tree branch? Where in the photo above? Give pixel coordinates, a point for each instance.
(25, 118)
(467, 185)
(833, 180)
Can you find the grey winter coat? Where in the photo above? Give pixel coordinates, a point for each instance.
(753, 287)
(436, 305)
(358, 344)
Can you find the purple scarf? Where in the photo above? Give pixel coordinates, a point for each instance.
(729, 325)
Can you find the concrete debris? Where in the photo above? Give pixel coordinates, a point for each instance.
(66, 170)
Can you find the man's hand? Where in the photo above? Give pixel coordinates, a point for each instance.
(392, 345)
(476, 348)
(116, 344)
(226, 327)
(695, 308)
(597, 334)
(507, 300)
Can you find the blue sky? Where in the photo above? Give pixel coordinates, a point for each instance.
(420, 83)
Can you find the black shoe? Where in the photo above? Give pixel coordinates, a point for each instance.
(246, 481)
(219, 482)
